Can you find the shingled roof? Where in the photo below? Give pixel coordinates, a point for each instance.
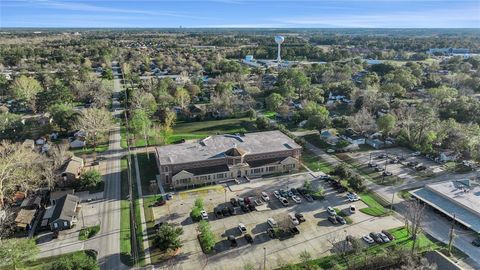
(65, 208)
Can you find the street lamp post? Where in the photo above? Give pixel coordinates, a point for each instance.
(264, 258)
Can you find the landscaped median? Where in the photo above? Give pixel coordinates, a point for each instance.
(89, 232)
(375, 208)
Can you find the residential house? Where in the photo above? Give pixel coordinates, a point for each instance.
(72, 169)
(329, 137)
(353, 137)
(65, 213)
(25, 219)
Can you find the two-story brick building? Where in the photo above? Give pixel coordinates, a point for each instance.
(223, 157)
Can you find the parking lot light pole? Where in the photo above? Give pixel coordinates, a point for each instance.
(264, 258)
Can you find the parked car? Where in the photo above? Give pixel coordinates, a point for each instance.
(353, 197)
(204, 215)
(232, 240)
(387, 173)
(378, 169)
(389, 235)
(376, 237)
(412, 163)
(325, 177)
(300, 217)
(276, 194)
(293, 219)
(225, 212)
(333, 219)
(294, 191)
(218, 212)
(283, 201)
(296, 199)
(245, 208)
(249, 238)
(341, 220)
(368, 239)
(234, 202)
(241, 202)
(251, 207)
(341, 189)
(242, 228)
(290, 193)
(294, 230)
(308, 198)
(372, 165)
(382, 156)
(384, 237)
(265, 197)
(272, 222)
(331, 211)
(414, 154)
(283, 193)
(247, 200)
(231, 210)
(353, 209)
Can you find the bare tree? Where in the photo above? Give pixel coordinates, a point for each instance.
(7, 223)
(340, 246)
(362, 121)
(94, 122)
(19, 169)
(414, 217)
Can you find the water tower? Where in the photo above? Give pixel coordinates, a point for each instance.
(279, 40)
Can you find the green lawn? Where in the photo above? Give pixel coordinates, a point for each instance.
(89, 232)
(89, 149)
(224, 126)
(46, 262)
(315, 163)
(374, 207)
(125, 239)
(148, 171)
(270, 115)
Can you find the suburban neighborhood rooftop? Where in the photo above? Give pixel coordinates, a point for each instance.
(216, 146)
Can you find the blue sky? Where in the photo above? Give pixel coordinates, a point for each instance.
(241, 13)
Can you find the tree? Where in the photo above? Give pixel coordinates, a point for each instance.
(167, 238)
(107, 74)
(386, 123)
(182, 97)
(17, 251)
(392, 90)
(442, 94)
(206, 236)
(140, 123)
(94, 122)
(273, 101)
(90, 179)
(292, 82)
(63, 116)
(74, 261)
(25, 89)
(59, 93)
(145, 101)
(317, 115)
(413, 220)
(362, 121)
(19, 168)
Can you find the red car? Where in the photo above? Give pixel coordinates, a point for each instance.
(160, 203)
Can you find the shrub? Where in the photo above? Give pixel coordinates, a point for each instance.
(206, 236)
(90, 179)
(195, 213)
(75, 261)
(167, 238)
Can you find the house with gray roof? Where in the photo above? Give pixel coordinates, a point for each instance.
(65, 213)
(227, 157)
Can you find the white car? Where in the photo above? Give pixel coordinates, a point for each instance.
(331, 211)
(204, 215)
(293, 219)
(368, 239)
(353, 209)
(265, 197)
(276, 194)
(296, 199)
(242, 228)
(353, 197)
(272, 222)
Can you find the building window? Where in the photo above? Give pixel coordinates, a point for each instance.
(166, 169)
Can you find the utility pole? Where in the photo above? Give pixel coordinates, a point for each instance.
(385, 169)
(264, 258)
(451, 236)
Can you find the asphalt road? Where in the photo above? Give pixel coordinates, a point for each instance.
(108, 241)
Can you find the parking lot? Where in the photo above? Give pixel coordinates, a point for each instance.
(315, 236)
(403, 165)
